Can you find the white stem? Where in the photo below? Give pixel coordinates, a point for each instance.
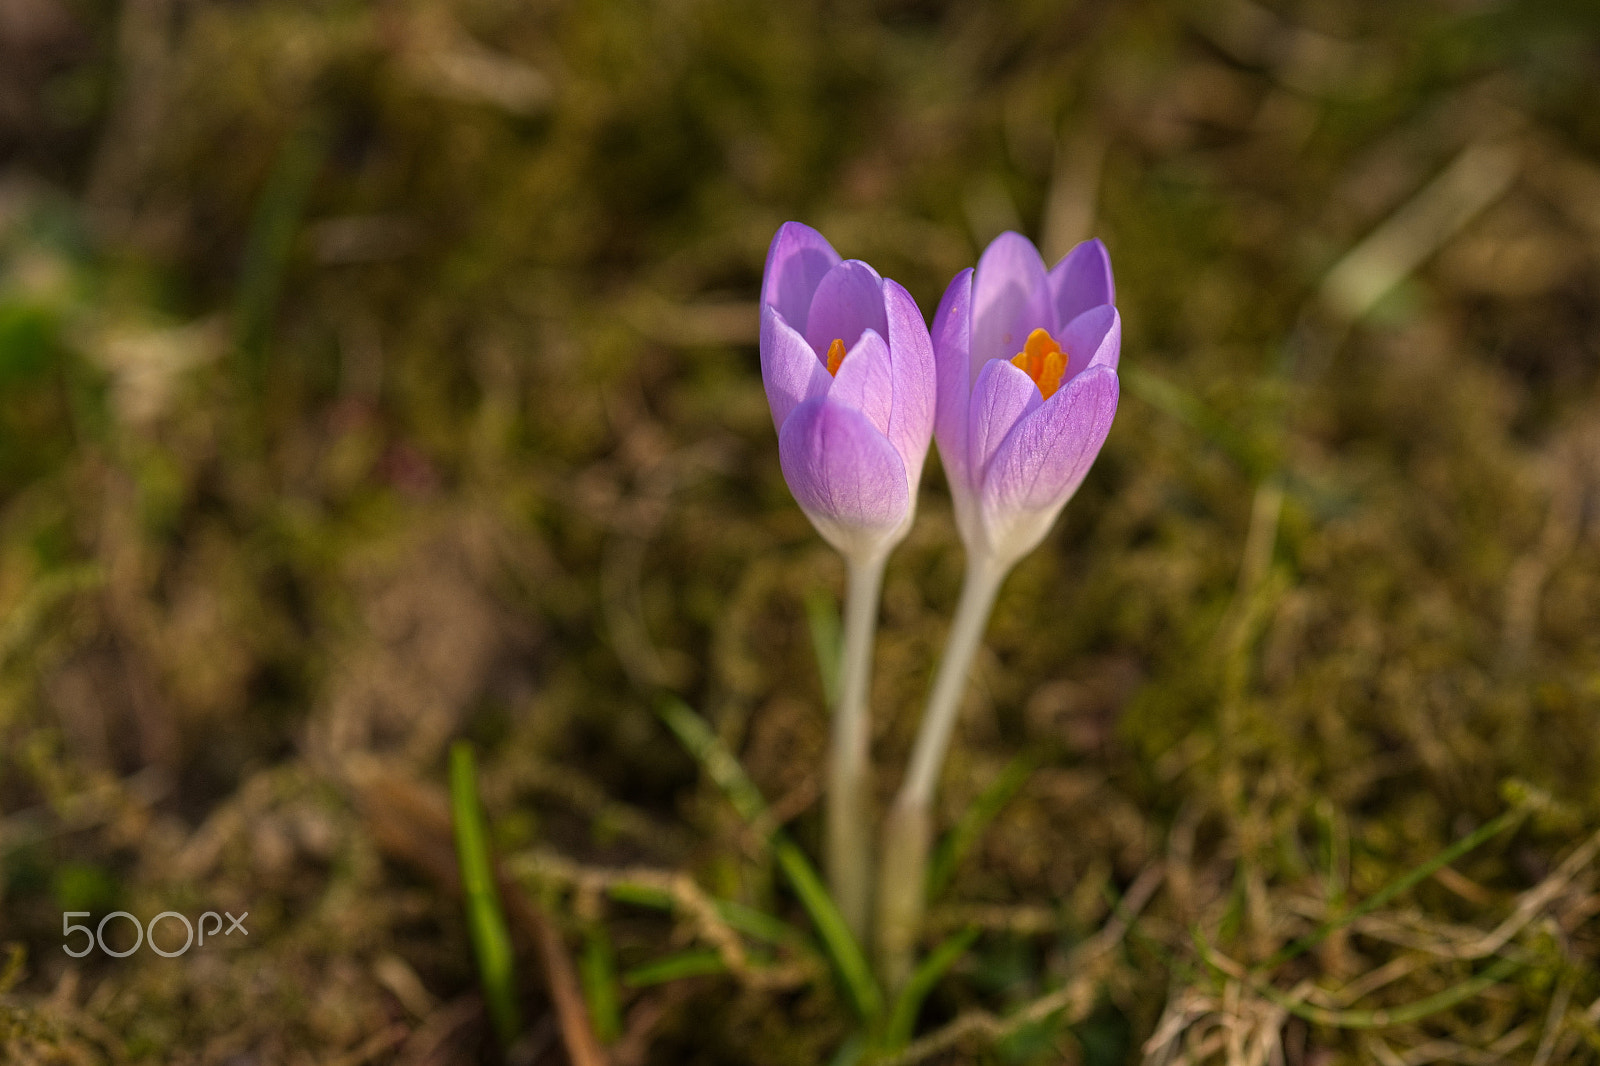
(908, 829)
(938, 721)
(849, 815)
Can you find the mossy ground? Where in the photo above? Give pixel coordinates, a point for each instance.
(374, 375)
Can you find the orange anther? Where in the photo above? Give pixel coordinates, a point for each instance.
(1042, 360)
(836, 355)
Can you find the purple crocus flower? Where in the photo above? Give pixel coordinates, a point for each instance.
(848, 367)
(1027, 367)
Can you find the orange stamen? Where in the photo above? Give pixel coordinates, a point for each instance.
(835, 355)
(1042, 360)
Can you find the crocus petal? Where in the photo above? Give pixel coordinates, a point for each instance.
(1093, 339)
(952, 344)
(848, 301)
(790, 370)
(797, 261)
(1041, 463)
(845, 475)
(915, 384)
(1001, 397)
(1010, 298)
(1081, 280)
(864, 381)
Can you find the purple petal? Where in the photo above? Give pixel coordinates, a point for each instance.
(1000, 399)
(915, 383)
(845, 474)
(1082, 280)
(1042, 462)
(1094, 338)
(848, 302)
(864, 382)
(1010, 299)
(790, 370)
(952, 344)
(796, 262)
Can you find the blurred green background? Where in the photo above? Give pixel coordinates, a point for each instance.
(373, 375)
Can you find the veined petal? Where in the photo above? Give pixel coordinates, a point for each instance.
(915, 383)
(1010, 298)
(1003, 395)
(848, 302)
(864, 382)
(790, 370)
(1081, 280)
(1041, 463)
(952, 345)
(1093, 339)
(797, 261)
(845, 475)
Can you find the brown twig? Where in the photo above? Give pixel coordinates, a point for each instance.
(561, 976)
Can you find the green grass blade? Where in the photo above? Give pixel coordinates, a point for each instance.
(486, 923)
(1377, 1018)
(599, 976)
(850, 1052)
(757, 924)
(849, 962)
(11, 973)
(903, 1018)
(271, 238)
(695, 963)
(827, 639)
(1179, 403)
(709, 751)
(954, 847)
(1492, 828)
(746, 920)
(1405, 1014)
(42, 596)
(641, 896)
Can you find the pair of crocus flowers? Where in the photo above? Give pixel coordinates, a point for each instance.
(1017, 382)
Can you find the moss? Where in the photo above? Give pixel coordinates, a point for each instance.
(374, 376)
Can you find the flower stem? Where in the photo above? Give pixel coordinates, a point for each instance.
(902, 879)
(850, 765)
